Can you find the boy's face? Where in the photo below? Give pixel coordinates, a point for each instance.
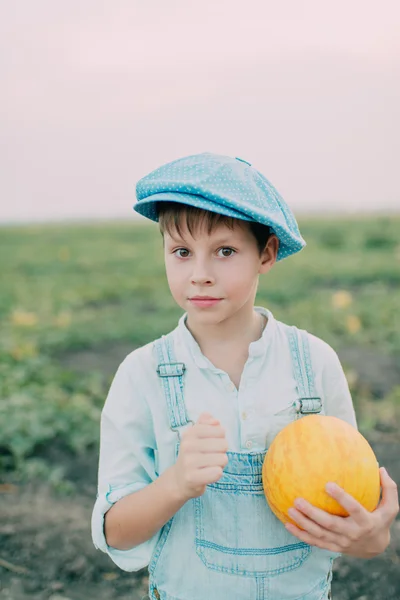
(213, 276)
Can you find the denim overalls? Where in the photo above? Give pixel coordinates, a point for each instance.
(227, 544)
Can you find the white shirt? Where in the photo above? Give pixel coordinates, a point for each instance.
(137, 444)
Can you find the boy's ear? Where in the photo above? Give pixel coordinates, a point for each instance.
(270, 253)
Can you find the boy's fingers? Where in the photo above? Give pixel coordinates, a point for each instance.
(203, 461)
(210, 431)
(390, 500)
(206, 418)
(350, 504)
(210, 445)
(209, 475)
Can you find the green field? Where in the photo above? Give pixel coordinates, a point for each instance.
(76, 298)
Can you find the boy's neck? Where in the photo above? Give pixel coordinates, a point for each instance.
(238, 332)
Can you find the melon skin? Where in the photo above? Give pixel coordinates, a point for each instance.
(312, 451)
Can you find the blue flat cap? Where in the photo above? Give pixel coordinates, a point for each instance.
(224, 185)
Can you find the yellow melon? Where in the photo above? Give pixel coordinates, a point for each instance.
(310, 452)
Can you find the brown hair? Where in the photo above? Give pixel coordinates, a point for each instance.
(169, 218)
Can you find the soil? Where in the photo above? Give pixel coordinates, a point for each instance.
(46, 551)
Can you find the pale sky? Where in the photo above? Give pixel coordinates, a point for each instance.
(95, 94)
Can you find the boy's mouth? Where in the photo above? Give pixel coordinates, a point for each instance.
(204, 301)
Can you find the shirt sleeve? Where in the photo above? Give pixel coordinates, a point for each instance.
(126, 460)
(336, 393)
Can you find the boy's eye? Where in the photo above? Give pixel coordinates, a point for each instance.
(225, 252)
(182, 252)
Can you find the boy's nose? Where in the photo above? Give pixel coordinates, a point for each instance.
(202, 281)
(201, 275)
(198, 279)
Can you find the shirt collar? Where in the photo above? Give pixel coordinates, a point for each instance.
(256, 349)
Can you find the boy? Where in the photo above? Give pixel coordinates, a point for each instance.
(189, 417)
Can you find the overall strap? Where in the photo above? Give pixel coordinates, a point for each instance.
(308, 402)
(171, 374)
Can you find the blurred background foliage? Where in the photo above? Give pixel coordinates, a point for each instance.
(75, 299)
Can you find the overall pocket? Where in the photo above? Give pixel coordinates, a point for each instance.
(236, 532)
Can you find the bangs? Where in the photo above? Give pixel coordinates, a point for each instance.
(174, 217)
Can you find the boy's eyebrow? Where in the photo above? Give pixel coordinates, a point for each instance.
(224, 241)
(176, 237)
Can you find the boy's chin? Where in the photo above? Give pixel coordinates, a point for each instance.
(199, 317)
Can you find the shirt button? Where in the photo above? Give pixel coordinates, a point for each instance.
(244, 416)
(231, 387)
(249, 444)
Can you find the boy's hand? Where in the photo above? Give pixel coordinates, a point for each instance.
(362, 533)
(202, 457)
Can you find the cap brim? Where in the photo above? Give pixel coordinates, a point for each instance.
(148, 207)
